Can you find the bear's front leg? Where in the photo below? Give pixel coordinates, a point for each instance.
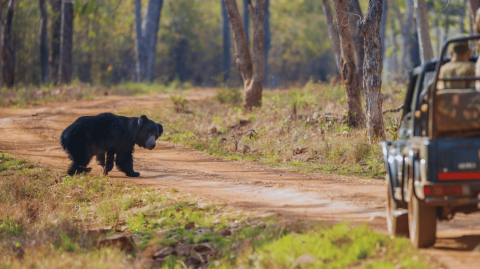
(124, 162)
(109, 163)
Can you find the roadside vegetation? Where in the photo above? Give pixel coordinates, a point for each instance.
(51, 220)
(303, 129)
(27, 96)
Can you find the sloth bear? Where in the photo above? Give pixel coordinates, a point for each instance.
(105, 136)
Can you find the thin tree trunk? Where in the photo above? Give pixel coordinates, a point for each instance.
(66, 43)
(406, 23)
(476, 22)
(332, 32)
(383, 26)
(251, 69)
(226, 43)
(474, 5)
(370, 27)
(55, 41)
(8, 48)
(426, 49)
(354, 7)
(267, 40)
(139, 43)
(43, 43)
(149, 31)
(349, 74)
(246, 20)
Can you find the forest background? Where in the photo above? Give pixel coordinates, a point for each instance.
(189, 44)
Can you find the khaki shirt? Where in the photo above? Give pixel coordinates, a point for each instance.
(457, 69)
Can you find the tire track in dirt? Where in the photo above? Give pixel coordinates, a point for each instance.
(33, 134)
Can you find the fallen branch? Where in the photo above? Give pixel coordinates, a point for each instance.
(393, 110)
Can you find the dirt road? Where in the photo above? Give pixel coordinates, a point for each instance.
(33, 134)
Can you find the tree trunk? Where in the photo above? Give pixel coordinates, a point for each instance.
(474, 5)
(349, 74)
(267, 40)
(226, 43)
(406, 32)
(354, 7)
(251, 69)
(66, 43)
(370, 27)
(332, 32)
(181, 51)
(8, 48)
(149, 32)
(476, 22)
(246, 20)
(139, 43)
(55, 41)
(43, 43)
(383, 26)
(426, 49)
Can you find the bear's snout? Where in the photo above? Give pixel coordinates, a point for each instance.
(150, 143)
(152, 146)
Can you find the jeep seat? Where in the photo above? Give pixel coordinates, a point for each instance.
(457, 112)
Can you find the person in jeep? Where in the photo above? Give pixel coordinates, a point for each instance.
(458, 67)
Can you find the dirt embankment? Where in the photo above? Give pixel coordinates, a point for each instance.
(33, 134)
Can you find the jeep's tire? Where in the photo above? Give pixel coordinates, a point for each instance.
(397, 224)
(422, 222)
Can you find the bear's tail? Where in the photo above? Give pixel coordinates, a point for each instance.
(62, 141)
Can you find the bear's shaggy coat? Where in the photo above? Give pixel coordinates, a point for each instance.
(105, 136)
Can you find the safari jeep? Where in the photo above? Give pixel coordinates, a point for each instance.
(433, 170)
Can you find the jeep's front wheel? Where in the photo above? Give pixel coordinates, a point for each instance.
(422, 220)
(397, 224)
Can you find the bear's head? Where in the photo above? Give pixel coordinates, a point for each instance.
(148, 132)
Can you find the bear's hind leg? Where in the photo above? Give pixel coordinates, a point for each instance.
(79, 165)
(124, 162)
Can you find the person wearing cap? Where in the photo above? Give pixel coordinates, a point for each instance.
(459, 66)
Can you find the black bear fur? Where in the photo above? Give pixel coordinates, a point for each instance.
(105, 136)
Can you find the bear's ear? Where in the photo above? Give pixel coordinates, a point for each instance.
(160, 129)
(142, 120)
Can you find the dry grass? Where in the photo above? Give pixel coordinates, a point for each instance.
(303, 129)
(26, 96)
(45, 217)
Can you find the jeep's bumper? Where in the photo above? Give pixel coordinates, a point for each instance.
(454, 193)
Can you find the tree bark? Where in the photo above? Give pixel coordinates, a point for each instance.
(354, 7)
(251, 69)
(43, 43)
(8, 48)
(332, 32)
(246, 20)
(66, 43)
(370, 27)
(139, 43)
(149, 31)
(226, 43)
(267, 40)
(349, 74)
(55, 41)
(426, 49)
